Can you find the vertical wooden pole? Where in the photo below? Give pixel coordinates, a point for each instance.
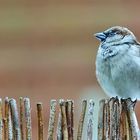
(1, 121)
(21, 108)
(15, 119)
(69, 116)
(28, 127)
(52, 119)
(90, 120)
(81, 121)
(40, 121)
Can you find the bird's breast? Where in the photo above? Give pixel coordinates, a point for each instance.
(103, 74)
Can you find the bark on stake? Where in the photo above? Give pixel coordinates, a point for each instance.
(64, 119)
(132, 120)
(15, 119)
(101, 120)
(40, 121)
(59, 126)
(21, 107)
(81, 121)
(106, 120)
(6, 116)
(115, 118)
(69, 116)
(52, 119)
(90, 120)
(10, 128)
(1, 121)
(28, 126)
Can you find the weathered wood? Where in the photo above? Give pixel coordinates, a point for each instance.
(1, 121)
(40, 121)
(52, 119)
(81, 121)
(21, 109)
(69, 117)
(117, 120)
(90, 122)
(28, 125)
(15, 119)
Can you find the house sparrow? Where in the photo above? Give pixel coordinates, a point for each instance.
(118, 63)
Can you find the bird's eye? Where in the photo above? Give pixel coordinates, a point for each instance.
(111, 34)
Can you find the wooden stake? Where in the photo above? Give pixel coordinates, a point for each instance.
(90, 120)
(6, 116)
(124, 121)
(81, 121)
(52, 119)
(10, 128)
(15, 119)
(64, 119)
(101, 120)
(59, 126)
(69, 116)
(132, 121)
(28, 126)
(114, 119)
(8, 123)
(40, 121)
(1, 121)
(21, 107)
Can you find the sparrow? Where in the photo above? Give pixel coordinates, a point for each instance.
(118, 63)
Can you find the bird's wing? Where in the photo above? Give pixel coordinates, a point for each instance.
(136, 55)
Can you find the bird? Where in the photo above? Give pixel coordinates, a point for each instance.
(118, 63)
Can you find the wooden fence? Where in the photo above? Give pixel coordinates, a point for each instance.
(116, 120)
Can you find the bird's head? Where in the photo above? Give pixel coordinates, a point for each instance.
(116, 35)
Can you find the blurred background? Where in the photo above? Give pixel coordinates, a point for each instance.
(47, 48)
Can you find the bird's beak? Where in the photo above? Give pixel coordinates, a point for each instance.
(101, 36)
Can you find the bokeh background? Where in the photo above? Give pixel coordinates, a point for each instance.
(47, 48)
